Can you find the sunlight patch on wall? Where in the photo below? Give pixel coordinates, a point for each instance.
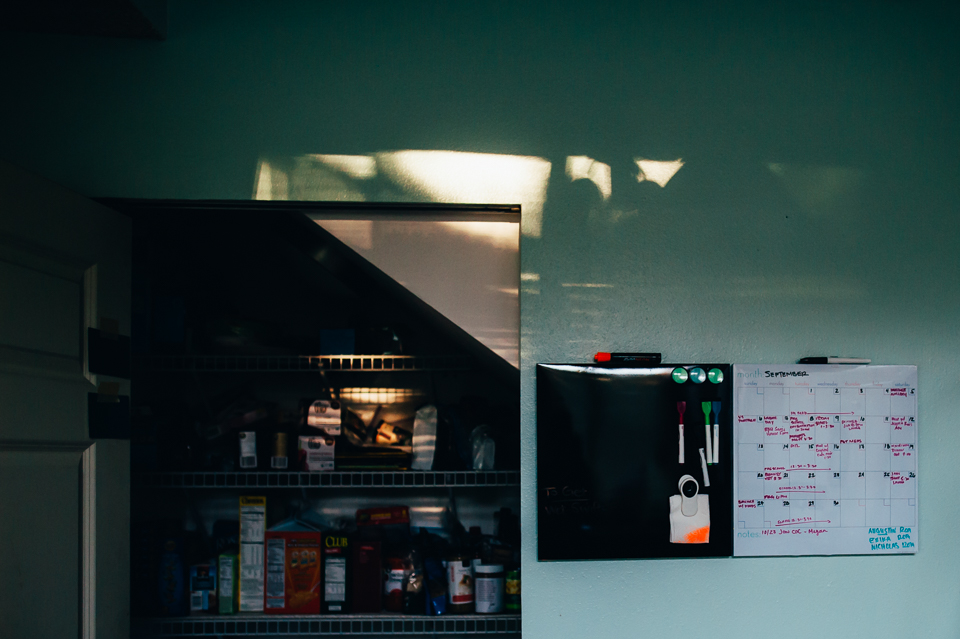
(581, 167)
(471, 178)
(361, 167)
(450, 177)
(326, 178)
(270, 184)
(657, 171)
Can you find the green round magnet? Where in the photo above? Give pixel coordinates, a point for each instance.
(698, 375)
(680, 375)
(715, 375)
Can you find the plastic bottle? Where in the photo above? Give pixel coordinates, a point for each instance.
(460, 593)
(512, 591)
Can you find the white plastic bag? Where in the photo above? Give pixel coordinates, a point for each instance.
(424, 438)
(483, 448)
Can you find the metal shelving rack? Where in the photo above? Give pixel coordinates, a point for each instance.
(404, 372)
(299, 363)
(332, 479)
(327, 625)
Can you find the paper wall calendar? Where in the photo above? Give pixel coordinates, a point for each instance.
(825, 460)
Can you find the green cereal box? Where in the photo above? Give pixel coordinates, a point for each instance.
(229, 573)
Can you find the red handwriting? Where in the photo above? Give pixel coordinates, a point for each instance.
(803, 412)
(800, 489)
(902, 450)
(899, 423)
(898, 479)
(794, 521)
(801, 521)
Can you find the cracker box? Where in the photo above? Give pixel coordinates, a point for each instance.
(336, 548)
(293, 572)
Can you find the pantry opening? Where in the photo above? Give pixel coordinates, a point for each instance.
(295, 382)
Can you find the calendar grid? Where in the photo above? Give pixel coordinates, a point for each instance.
(825, 460)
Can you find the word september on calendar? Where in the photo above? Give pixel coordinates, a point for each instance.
(825, 460)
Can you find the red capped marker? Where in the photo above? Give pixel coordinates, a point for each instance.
(627, 359)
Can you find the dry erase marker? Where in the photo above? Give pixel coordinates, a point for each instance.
(703, 466)
(834, 360)
(627, 359)
(716, 432)
(681, 407)
(706, 427)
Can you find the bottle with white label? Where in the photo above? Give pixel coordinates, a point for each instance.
(460, 584)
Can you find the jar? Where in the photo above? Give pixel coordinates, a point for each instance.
(393, 585)
(488, 580)
(460, 584)
(278, 457)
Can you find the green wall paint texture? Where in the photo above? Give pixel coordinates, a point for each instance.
(816, 212)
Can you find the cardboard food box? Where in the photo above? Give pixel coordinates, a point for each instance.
(229, 583)
(317, 453)
(390, 524)
(293, 572)
(367, 571)
(323, 414)
(253, 526)
(203, 588)
(172, 578)
(336, 555)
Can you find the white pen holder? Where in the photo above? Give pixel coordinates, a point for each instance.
(689, 514)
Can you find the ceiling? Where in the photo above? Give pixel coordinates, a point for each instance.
(141, 19)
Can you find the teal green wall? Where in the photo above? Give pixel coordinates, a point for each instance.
(847, 245)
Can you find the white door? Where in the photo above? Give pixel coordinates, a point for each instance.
(64, 499)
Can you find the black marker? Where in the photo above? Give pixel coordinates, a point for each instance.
(834, 360)
(627, 359)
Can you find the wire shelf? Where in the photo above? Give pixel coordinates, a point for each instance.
(327, 625)
(300, 363)
(334, 479)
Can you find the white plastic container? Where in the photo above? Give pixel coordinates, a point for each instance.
(488, 582)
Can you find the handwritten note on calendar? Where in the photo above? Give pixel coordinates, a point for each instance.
(825, 460)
